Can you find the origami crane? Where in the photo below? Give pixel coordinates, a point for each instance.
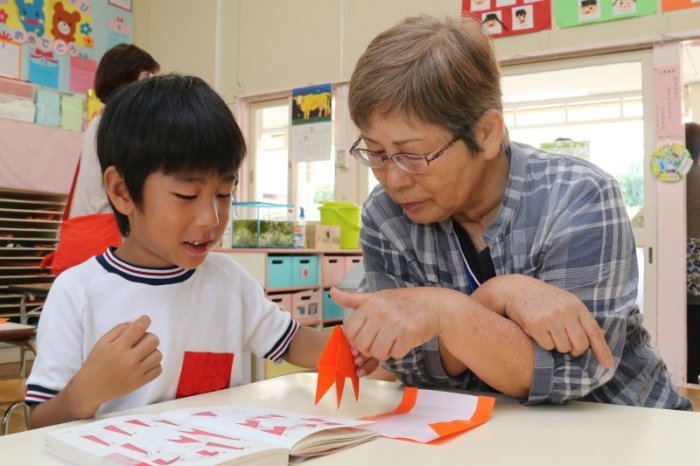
(336, 363)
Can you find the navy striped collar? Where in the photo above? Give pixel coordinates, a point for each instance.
(135, 273)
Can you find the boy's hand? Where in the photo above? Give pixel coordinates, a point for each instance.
(124, 359)
(364, 364)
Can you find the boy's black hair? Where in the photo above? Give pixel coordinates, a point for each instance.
(170, 124)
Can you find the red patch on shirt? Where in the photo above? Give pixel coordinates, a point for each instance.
(203, 373)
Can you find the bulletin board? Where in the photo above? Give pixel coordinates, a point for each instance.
(508, 17)
(570, 13)
(58, 43)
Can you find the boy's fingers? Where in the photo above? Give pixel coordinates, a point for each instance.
(115, 332)
(135, 331)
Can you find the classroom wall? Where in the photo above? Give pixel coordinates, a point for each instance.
(271, 45)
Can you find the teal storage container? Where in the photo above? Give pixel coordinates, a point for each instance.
(305, 271)
(279, 271)
(331, 311)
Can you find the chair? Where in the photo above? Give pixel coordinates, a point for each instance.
(12, 391)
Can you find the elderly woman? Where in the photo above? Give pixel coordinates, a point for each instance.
(489, 264)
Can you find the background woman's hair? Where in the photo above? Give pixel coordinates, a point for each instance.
(121, 65)
(441, 71)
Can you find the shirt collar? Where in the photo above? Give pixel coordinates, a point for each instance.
(150, 276)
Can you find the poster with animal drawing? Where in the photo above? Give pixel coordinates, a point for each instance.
(311, 133)
(508, 17)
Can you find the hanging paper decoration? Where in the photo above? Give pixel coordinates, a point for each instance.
(671, 162)
(672, 5)
(69, 35)
(570, 13)
(508, 17)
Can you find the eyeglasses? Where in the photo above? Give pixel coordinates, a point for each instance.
(413, 163)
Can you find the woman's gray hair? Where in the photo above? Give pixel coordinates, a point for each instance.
(441, 71)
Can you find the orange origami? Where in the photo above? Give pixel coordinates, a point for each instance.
(336, 363)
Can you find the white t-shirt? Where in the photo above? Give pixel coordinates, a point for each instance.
(89, 196)
(205, 319)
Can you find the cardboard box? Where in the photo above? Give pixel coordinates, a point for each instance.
(322, 236)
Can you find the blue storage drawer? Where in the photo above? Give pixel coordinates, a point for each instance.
(279, 271)
(331, 310)
(305, 271)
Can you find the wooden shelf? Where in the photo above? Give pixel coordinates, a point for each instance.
(29, 224)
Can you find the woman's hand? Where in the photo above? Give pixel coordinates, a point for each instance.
(389, 323)
(556, 319)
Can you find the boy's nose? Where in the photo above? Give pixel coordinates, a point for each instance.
(209, 215)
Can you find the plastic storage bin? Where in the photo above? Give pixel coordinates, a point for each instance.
(351, 262)
(333, 270)
(284, 301)
(331, 310)
(279, 271)
(306, 307)
(305, 271)
(262, 225)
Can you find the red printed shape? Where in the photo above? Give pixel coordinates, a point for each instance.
(96, 439)
(117, 430)
(162, 462)
(204, 373)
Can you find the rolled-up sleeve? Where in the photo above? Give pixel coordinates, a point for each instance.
(591, 253)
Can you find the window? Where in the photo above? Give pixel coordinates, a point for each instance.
(273, 178)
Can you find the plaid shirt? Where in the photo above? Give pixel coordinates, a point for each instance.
(562, 220)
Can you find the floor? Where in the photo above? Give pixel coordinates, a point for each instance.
(18, 423)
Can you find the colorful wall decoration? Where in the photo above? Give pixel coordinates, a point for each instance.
(672, 5)
(570, 13)
(509, 17)
(58, 43)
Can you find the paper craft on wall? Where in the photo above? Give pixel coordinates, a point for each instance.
(71, 112)
(10, 59)
(570, 13)
(43, 68)
(311, 124)
(82, 73)
(48, 107)
(671, 5)
(509, 17)
(52, 34)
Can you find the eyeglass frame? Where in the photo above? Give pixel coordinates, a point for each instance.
(427, 157)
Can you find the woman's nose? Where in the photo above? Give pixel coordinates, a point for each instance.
(393, 177)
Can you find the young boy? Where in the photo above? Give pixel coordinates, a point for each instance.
(159, 317)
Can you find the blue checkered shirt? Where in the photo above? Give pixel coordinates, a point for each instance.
(562, 220)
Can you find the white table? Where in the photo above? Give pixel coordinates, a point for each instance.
(578, 433)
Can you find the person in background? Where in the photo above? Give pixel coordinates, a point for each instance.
(122, 64)
(159, 317)
(692, 186)
(489, 265)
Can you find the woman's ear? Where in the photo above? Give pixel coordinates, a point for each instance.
(489, 133)
(117, 190)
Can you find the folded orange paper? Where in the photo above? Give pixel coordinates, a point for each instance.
(429, 415)
(336, 363)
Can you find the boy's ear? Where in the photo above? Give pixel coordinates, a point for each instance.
(117, 191)
(489, 133)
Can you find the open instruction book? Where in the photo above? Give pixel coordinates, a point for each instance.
(205, 436)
